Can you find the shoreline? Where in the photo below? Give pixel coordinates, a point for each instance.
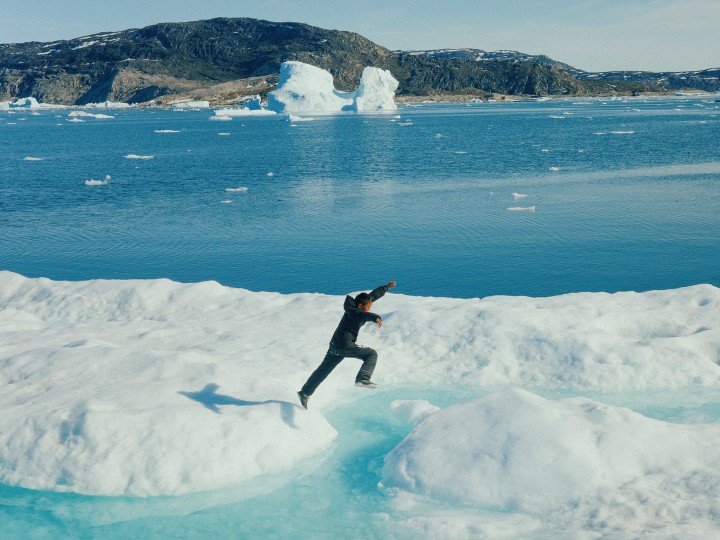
(172, 102)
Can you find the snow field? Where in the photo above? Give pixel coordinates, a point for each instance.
(152, 387)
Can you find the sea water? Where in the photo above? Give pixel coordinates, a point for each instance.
(625, 197)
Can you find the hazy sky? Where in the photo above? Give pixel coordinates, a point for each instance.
(594, 35)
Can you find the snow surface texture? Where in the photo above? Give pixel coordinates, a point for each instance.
(152, 387)
(308, 89)
(516, 451)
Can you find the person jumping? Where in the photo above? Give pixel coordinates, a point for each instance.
(342, 343)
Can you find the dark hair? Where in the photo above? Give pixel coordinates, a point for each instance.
(362, 299)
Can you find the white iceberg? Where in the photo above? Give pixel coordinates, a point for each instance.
(308, 89)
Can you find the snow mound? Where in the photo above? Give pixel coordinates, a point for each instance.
(576, 460)
(308, 89)
(103, 403)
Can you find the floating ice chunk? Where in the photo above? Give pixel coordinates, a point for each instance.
(236, 189)
(76, 120)
(90, 115)
(224, 134)
(521, 209)
(554, 169)
(30, 158)
(460, 152)
(190, 104)
(221, 118)
(307, 88)
(226, 201)
(166, 131)
(271, 174)
(412, 411)
(98, 182)
(135, 156)
(241, 111)
(404, 123)
(558, 117)
(108, 105)
(296, 118)
(25, 103)
(518, 196)
(622, 132)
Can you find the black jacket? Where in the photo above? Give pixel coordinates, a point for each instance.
(354, 317)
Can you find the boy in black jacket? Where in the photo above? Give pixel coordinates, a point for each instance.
(342, 344)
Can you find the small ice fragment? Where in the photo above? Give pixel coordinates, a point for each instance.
(622, 132)
(236, 189)
(460, 152)
(98, 182)
(271, 174)
(438, 135)
(554, 169)
(221, 118)
(296, 118)
(30, 158)
(135, 156)
(521, 209)
(166, 131)
(518, 196)
(226, 201)
(223, 134)
(75, 120)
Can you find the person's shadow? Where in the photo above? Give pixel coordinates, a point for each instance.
(209, 399)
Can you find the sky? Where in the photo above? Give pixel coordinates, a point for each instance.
(594, 35)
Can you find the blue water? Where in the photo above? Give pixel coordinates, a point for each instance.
(354, 201)
(358, 200)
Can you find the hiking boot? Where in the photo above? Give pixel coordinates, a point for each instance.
(365, 384)
(303, 399)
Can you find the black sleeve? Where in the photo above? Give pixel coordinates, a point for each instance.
(378, 293)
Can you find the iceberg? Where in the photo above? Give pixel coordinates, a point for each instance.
(304, 88)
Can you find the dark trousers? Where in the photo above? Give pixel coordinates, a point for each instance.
(333, 357)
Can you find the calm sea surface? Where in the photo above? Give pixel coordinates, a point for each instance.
(626, 197)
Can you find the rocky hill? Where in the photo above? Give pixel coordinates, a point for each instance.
(705, 80)
(226, 59)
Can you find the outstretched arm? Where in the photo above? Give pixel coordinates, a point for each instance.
(381, 290)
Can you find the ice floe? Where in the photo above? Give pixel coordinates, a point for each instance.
(111, 387)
